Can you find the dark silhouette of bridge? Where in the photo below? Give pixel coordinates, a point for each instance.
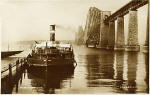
(132, 5)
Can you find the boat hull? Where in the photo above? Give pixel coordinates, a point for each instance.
(52, 63)
(51, 78)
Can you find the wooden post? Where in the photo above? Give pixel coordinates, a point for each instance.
(46, 73)
(24, 62)
(21, 78)
(21, 61)
(17, 86)
(21, 64)
(10, 74)
(17, 63)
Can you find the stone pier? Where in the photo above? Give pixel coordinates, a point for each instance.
(111, 35)
(145, 48)
(120, 39)
(147, 33)
(104, 28)
(132, 41)
(103, 35)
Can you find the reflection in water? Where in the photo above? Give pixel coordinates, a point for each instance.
(142, 73)
(98, 71)
(47, 81)
(130, 72)
(118, 70)
(119, 67)
(93, 70)
(132, 68)
(99, 67)
(107, 61)
(146, 57)
(125, 68)
(140, 84)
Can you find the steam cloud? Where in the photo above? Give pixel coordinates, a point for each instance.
(66, 28)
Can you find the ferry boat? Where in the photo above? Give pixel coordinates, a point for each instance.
(52, 53)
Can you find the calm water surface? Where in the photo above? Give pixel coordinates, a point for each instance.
(98, 71)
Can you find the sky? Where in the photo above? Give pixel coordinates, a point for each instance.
(30, 19)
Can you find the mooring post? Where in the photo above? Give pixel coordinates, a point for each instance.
(10, 74)
(21, 78)
(17, 63)
(21, 64)
(17, 87)
(24, 62)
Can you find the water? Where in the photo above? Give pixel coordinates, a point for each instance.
(25, 46)
(98, 71)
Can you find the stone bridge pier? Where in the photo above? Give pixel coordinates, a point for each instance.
(120, 41)
(104, 30)
(106, 35)
(111, 35)
(145, 48)
(132, 41)
(132, 38)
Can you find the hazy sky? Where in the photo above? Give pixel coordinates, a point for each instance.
(30, 19)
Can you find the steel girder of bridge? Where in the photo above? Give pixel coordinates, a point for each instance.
(132, 5)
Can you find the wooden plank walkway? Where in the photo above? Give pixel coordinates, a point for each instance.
(11, 73)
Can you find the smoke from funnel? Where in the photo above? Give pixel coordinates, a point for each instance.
(66, 28)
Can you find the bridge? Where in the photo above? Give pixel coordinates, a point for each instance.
(107, 28)
(132, 5)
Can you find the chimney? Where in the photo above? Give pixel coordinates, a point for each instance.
(52, 32)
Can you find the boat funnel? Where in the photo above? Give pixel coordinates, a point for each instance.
(52, 32)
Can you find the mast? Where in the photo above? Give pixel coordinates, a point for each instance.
(8, 43)
(52, 32)
(8, 46)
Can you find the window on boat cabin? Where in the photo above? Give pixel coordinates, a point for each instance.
(67, 49)
(60, 48)
(40, 50)
(52, 47)
(49, 51)
(68, 56)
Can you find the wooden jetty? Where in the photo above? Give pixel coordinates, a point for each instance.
(11, 74)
